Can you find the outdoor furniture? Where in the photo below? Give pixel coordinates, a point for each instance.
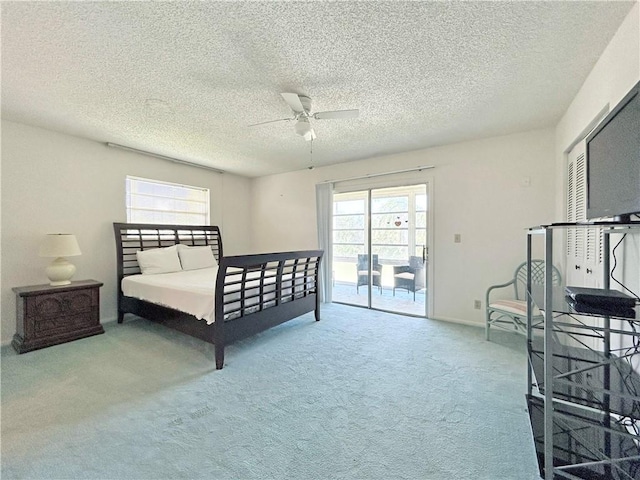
(511, 313)
(410, 277)
(363, 272)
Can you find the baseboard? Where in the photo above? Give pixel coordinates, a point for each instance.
(109, 320)
(459, 321)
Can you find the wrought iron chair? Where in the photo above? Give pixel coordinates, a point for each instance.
(363, 272)
(409, 277)
(511, 313)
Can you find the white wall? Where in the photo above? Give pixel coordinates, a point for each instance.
(58, 183)
(617, 70)
(479, 191)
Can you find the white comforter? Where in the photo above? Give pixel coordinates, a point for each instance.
(190, 291)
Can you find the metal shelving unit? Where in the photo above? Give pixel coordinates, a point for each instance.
(583, 388)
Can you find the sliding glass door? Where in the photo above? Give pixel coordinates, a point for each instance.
(380, 249)
(351, 248)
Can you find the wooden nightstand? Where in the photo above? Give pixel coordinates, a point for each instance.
(49, 315)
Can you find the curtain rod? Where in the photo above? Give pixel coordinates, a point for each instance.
(371, 175)
(162, 157)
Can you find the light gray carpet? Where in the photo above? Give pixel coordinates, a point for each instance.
(359, 395)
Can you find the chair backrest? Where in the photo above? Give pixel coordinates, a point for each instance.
(537, 277)
(363, 261)
(416, 262)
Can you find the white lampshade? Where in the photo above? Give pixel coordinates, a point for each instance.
(59, 245)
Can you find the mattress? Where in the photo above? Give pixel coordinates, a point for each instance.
(193, 291)
(189, 291)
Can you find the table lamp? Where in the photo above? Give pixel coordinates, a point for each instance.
(59, 245)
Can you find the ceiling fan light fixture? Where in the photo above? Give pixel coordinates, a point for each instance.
(303, 127)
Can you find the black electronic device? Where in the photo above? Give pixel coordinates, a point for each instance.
(613, 162)
(602, 309)
(600, 297)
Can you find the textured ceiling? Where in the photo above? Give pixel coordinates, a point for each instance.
(185, 79)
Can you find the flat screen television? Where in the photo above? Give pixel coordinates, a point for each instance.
(613, 162)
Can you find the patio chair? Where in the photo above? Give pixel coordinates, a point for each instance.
(511, 313)
(363, 272)
(409, 277)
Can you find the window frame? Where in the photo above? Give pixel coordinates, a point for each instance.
(162, 215)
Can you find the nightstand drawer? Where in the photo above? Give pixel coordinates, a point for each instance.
(57, 304)
(50, 326)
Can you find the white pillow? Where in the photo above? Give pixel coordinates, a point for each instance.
(159, 260)
(193, 258)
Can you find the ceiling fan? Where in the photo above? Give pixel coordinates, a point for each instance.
(301, 106)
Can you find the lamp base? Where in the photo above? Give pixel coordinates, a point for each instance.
(60, 271)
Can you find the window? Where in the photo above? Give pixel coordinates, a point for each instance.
(153, 201)
(398, 223)
(348, 224)
(390, 224)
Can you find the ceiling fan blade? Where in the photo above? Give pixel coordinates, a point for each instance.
(310, 135)
(271, 121)
(336, 114)
(293, 99)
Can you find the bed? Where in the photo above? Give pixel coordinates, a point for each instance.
(220, 304)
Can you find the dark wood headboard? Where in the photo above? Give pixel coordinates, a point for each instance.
(131, 237)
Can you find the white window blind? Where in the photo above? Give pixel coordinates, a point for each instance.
(580, 202)
(153, 201)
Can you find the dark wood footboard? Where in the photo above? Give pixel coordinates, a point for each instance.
(257, 292)
(253, 292)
